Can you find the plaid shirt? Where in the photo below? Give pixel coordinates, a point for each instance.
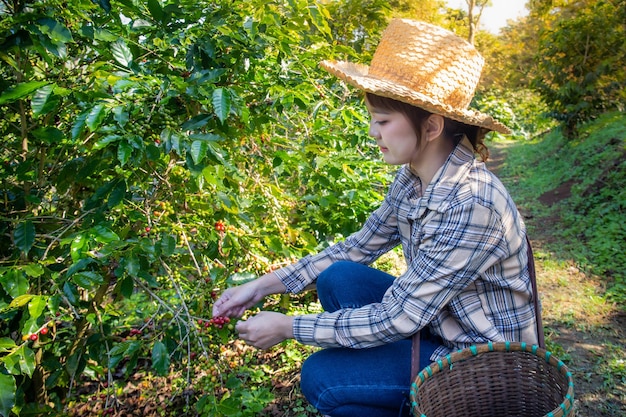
(466, 278)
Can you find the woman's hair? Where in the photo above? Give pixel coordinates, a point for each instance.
(452, 129)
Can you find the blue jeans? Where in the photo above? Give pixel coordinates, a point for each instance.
(360, 382)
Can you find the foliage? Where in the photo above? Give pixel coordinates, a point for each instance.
(522, 111)
(592, 210)
(154, 153)
(360, 23)
(582, 61)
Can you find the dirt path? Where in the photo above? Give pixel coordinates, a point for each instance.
(582, 328)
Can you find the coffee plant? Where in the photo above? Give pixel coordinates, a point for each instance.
(155, 152)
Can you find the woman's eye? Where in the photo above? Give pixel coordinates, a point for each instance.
(380, 122)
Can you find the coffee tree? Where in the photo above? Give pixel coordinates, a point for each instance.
(153, 154)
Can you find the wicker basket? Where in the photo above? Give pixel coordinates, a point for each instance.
(495, 379)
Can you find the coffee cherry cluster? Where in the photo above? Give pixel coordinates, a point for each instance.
(218, 322)
(35, 336)
(220, 226)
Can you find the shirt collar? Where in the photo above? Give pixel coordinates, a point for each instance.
(448, 180)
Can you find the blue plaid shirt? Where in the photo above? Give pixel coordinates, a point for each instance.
(466, 278)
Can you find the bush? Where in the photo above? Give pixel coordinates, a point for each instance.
(154, 154)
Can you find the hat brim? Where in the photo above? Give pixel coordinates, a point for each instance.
(358, 76)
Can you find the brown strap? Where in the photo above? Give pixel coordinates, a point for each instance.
(533, 280)
(415, 355)
(415, 348)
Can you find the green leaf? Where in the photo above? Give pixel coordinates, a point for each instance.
(24, 236)
(209, 137)
(95, 117)
(104, 35)
(121, 116)
(160, 358)
(7, 394)
(221, 103)
(228, 406)
(117, 194)
(124, 152)
(7, 343)
(105, 4)
(20, 91)
(148, 278)
(79, 243)
(102, 143)
(79, 266)
(104, 234)
(320, 20)
(196, 122)
(20, 362)
(240, 278)
(20, 300)
(155, 10)
(87, 279)
(44, 100)
(122, 53)
(14, 283)
(36, 307)
(34, 270)
(126, 286)
(198, 151)
(168, 245)
(48, 134)
(75, 362)
(79, 125)
(132, 265)
(70, 292)
(56, 31)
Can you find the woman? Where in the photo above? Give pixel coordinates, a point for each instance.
(463, 239)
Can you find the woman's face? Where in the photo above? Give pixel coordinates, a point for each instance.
(394, 134)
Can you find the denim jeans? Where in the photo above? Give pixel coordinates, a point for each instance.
(360, 382)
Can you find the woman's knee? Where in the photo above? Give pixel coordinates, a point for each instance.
(346, 284)
(335, 274)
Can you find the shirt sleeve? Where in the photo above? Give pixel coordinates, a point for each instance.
(378, 235)
(456, 246)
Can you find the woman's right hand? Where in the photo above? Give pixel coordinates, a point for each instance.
(236, 300)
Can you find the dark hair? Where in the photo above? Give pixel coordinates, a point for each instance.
(452, 129)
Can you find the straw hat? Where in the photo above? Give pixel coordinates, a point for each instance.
(423, 65)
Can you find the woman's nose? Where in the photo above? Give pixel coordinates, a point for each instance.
(373, 131)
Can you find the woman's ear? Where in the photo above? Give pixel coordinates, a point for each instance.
(434, 127)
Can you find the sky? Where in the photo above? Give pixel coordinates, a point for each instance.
(495, 17)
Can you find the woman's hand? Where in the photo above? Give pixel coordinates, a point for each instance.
(236, 300)
(265, 329)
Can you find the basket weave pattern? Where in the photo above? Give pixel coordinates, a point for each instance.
(495, 379)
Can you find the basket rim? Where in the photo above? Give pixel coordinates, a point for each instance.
(460, 355)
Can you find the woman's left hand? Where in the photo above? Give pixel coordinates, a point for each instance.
(265, 329)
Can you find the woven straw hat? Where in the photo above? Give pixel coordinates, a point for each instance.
(425, 66)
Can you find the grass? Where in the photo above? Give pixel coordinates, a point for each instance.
(580, 184)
